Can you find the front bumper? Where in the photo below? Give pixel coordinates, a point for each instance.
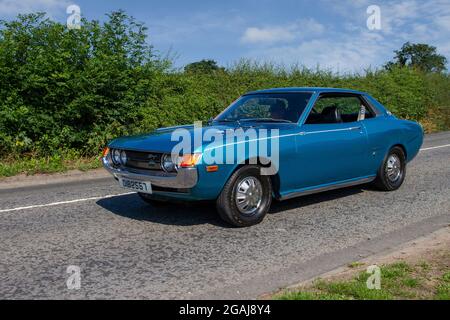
(185, 178)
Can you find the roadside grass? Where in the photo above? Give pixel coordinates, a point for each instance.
(400, 280)
(355, 264)
(437, 119)
(54, 164)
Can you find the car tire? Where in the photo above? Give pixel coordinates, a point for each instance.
(154, 202)
(392, 172)
(246, 197)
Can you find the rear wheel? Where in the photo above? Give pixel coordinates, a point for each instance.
(245, 198)
(392, 173)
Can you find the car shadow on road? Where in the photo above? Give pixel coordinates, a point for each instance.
(307, 200)
(171, 213)
(197, 213)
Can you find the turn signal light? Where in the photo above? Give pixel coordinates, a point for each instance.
(105, 152)
(212, 168)
(189, 160)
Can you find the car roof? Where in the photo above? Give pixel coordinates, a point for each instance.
(306, 89)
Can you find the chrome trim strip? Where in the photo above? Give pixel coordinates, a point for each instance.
(303, 133)
(327, 188)
(184, 179)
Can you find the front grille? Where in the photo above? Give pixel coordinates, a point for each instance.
(143, 160)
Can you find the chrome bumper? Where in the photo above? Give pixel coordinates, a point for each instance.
(185, 177)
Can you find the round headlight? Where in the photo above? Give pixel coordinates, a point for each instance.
(116, 156)
(167, 163)
(123, 157)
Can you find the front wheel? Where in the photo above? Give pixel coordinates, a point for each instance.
(393, 170)
(246, 197)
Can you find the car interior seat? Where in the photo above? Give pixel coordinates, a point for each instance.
(331, 114)
(278, 109)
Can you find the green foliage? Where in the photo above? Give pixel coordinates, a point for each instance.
(203, 67)
(421, 56)
(73, 90)
(446, 277)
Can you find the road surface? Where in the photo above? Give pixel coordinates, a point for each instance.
(128, 249)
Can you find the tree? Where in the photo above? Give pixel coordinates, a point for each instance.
(203, 66)
(421, 56)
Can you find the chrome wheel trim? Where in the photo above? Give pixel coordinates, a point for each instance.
(248, 196)
(393, 168)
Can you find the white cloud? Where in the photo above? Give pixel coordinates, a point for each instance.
(282, 34)
(347, 54)
(443, 22)
(268, 35)
(12, 7)
(349, 46)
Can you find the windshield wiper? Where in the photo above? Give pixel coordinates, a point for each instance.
(266, 120)
(229, 120)
(225, 120)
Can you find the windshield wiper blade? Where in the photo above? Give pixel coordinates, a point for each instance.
(266, 120)
(226, 120)
(230, 120)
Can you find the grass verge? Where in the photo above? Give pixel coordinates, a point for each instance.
(400, 280)
(30, 165)
(437, 119)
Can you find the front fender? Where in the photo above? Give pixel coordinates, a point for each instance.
(210, 184)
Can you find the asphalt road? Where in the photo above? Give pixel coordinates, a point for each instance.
(128, 249)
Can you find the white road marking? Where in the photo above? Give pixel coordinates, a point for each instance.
(122, 194)
(437, 147)
(65, 202)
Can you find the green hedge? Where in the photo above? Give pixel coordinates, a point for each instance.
(73, 90)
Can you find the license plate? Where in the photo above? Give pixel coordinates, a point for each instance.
(139, 186)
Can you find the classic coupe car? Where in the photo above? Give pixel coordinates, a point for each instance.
(327, 139)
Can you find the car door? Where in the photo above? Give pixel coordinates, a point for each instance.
(332, 145)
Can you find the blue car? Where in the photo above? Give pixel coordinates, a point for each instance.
(269, 144)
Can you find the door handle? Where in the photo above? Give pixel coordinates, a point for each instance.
(355, 128)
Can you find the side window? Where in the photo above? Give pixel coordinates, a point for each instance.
(338, 109)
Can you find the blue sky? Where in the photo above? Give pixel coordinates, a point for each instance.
(331, 34)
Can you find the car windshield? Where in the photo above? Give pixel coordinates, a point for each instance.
(266, 107)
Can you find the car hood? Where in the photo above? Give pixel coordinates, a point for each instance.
(160, 140)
